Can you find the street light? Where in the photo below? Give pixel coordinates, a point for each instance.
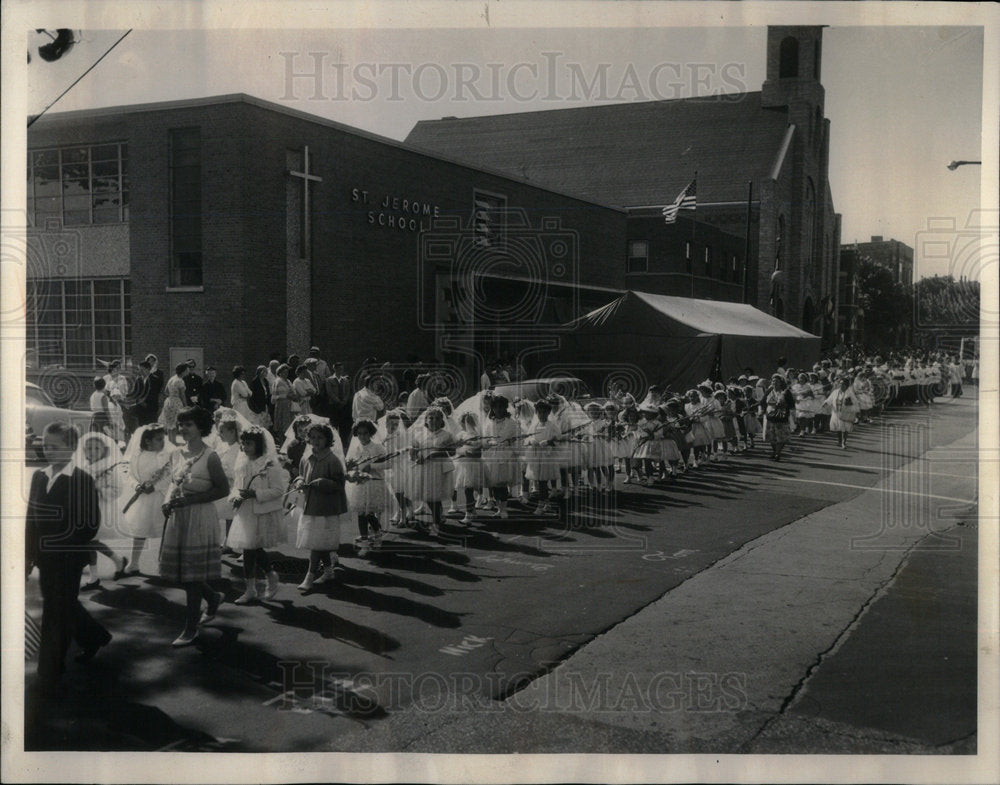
(955, 164)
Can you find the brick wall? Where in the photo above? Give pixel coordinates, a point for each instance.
(366, 278)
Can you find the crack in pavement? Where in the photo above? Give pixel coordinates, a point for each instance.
(878, 592)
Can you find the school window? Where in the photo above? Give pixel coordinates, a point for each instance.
(75, 323)
(78, 186)
(489, 219)
(687, 257)
(185, 208)
(638, 256)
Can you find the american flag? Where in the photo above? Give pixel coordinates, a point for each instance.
(685, 200)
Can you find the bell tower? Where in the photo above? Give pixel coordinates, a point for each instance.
(794, 61)
(793, 89)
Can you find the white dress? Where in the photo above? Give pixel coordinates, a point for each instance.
(370, 496)
(844, 410)
(110, 481)
(228, 453)
(500, 456)
(251, 530)
(144, 518)
(469, 470)
(804, 402)
(542, 465)
(648, 441)
(239, 394)
(431, 480)
(713, 420)
(397, 467)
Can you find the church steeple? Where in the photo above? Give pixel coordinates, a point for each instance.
(794, 60)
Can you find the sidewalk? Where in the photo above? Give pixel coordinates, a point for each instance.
(739, 657)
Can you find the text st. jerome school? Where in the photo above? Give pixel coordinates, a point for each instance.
(229, 228)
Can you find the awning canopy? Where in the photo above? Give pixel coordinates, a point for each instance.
(679, 341)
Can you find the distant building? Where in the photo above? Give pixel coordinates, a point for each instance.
(850, 314)
(893, 255)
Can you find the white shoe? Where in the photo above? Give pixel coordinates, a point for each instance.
(468, 518)
(307, 582)
(248, 596)
(329, 576)
(540, 508)
(364, 548)
(273, 582)
(433, 530)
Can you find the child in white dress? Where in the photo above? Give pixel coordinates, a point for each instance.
(367, 495)
(541, 443)
(227, 447)
(395, 440)
(430, 466)
(148, 455)
(99, 456)
(256, 496)
(500, 455)
(470, 474)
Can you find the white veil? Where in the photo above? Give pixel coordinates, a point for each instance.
(133, 449)
(381, 433)
(270, 450)
(226, 414)
(450, 422)
(337, 446)
(112, 455)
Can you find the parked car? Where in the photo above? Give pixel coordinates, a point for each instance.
(39, 412)
(533, 390)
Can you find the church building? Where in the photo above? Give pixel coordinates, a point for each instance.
(768, 148)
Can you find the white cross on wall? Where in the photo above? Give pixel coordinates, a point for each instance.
(306, 179)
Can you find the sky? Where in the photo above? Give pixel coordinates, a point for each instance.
(903, 101)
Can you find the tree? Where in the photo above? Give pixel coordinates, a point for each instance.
(943, 302)
(887, 306)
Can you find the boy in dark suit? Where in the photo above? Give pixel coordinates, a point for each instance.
(63, 517)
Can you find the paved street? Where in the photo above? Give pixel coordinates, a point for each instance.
(749, 606)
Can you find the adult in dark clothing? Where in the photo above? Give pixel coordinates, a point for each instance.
(63, 517)
(260, 392)
(193, 384)
(145, 404)
(340, 397)
(213, 392)
(156, 381)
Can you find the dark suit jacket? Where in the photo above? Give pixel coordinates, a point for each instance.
(156, 383)
(211, 390)
(62, 521)
(260, 396)
(192, 389)
(146, 404)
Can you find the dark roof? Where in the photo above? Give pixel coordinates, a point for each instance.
(623, 154)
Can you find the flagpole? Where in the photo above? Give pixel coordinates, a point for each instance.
(694, 226)
(746, 247)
